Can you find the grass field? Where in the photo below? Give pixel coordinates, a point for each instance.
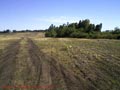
(38, 63)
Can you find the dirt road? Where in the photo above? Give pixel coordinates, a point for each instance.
(25, 67)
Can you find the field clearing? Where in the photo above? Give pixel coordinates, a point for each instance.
(94, 60)
(5, 41)
(30, 59)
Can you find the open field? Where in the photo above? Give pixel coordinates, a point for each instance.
(28, 61)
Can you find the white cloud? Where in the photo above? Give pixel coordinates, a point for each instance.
(61, 19)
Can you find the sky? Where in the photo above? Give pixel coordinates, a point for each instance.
(40, 14)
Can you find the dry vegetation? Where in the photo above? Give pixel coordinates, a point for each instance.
(97, 62)
(29, 59)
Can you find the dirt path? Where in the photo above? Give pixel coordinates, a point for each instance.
(8, 63)
(25, 74)
(41, 66)
(52, 73)
(23, 64)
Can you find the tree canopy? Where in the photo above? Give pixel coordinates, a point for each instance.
(82, 29)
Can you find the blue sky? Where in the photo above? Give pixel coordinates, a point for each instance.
(39, 14)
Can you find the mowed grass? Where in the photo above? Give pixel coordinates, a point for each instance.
(6, 40)
(95, 61)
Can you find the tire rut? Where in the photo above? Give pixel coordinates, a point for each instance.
(42, 66)
(52, 72)
(25, 64)
(25, 72)
(36, 60)
(8, 60)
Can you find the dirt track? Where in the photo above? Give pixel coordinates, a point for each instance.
(7, 60)
(23, 64)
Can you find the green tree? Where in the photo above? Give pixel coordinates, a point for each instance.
(90, 28)
(51, 33)
(85, 24)
(98, 27)
(116, 30)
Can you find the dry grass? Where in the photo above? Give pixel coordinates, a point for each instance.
(96, 61)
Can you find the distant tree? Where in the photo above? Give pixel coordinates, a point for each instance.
(7, 31)
(80, 24)
(14, 31)
(51, 27)
(85, 24)
(72, 25)
(91, 28)
(98, 27)
(51, 32)
(62, 32)
(116, 30)
(67, 23)
(83, 29)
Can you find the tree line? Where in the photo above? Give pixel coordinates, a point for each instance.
(19, 31)
(82, 29)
